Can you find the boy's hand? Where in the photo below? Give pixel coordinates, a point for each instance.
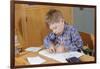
(52, 49)
(60, 49)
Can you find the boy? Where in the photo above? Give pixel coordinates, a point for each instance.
(63, 37)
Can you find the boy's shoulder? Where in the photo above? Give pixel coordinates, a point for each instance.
(51, 35)
(68, 27)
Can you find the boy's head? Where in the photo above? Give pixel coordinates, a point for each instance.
(55, 20)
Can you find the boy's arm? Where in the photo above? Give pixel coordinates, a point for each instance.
(48, 43)
(76, 40)
(48, 40)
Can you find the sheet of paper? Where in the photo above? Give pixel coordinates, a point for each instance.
(35, 60)
(33, 49)
(61, 57)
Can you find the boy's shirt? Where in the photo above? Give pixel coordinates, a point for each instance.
(70, 38)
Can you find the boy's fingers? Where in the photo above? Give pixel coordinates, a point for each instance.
(53, 50)
(50, 50)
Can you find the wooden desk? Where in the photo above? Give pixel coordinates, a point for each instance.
(22, 59)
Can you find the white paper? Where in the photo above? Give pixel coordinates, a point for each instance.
(61, 57)
(33, 49)
(35, 60)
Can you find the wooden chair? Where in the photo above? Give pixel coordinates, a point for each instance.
(88, 41)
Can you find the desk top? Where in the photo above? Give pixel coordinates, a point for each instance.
(22, 58)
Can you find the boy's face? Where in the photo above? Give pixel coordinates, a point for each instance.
(57, 28)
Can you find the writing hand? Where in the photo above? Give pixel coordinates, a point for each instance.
(51, 49)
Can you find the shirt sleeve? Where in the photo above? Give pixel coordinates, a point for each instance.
(76, 41)
(48, 40)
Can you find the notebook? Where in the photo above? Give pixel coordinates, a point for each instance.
(33, 49)
(35, 60)
(61, 57)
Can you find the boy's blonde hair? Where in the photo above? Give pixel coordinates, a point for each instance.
(53, 16)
